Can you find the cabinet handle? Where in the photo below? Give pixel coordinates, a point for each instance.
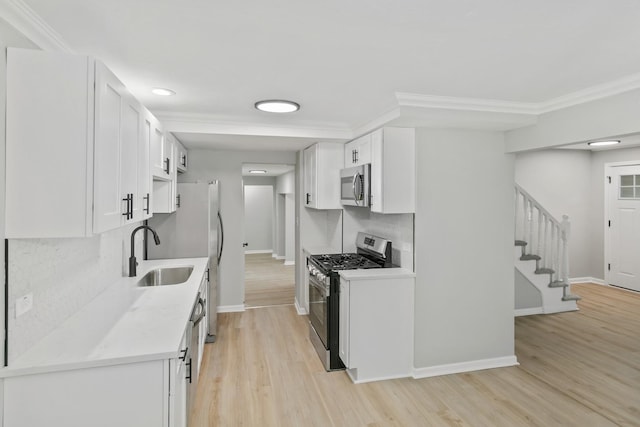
(167, 161)
(129, 210)
(178, 201)
(183, 356)
(183, 160)
(356, 156)
(308, 198)
(207, 274)
(353, 156)
(189, 374)
(146, 210)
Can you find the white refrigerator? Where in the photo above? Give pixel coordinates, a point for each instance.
(194, 230)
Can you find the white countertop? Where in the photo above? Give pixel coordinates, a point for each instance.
(124, 324)
(377, 273)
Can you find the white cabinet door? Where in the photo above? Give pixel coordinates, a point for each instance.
(110, 205)
(343, 340)
(393, 170)
(118, 132)
(322, 164)
(160, 161)
(358, 151)
(145, 178)
(132, 143)
(165, 199)
(181, 160)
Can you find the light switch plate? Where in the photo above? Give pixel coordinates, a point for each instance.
(24, 304)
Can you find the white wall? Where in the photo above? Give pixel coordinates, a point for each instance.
(526, 294)
(258, 218)
(464, 297)
(602, 118)
(226, 166)
(560, 181)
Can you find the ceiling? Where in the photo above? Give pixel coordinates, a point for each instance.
(349, 64)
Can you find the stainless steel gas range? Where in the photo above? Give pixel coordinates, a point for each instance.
(324, 291)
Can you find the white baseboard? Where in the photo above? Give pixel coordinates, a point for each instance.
(368, 380)
(457, 368)
(289, 263)
(528, 311)
(301, 310)
(280, 257)
(258, 251)
(230, 308)
(587, 280)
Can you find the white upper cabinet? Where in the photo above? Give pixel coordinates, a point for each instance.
(150, 126)
(358, 151)
(160, 154)
(165, 198)
(73, 147)
(393, 170)
(182, 159)
(322, 164)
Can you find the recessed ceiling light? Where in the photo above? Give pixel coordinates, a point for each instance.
(277, 106)
(257, 171)
(601, 143)
(162, 91)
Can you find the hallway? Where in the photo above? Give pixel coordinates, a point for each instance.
(268, 281)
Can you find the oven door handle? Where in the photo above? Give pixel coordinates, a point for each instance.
(325, 290)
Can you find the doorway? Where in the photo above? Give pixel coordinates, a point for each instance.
(269, 219)
(622, 225)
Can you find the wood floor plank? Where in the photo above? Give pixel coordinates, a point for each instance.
(268, 281)
(576, 369)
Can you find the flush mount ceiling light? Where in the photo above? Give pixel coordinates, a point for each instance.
(162, 91)
(602, 143)
(277, 106)
(257, 171)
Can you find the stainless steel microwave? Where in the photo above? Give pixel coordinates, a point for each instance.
(355, 189)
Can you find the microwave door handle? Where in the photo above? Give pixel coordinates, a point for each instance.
(356, 196)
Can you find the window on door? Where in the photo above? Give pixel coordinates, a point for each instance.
(629, 187)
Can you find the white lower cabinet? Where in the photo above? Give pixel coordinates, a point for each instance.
(376, 327)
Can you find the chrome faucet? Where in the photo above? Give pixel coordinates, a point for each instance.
(132, 259)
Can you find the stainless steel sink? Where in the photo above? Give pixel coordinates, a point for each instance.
(166, 276)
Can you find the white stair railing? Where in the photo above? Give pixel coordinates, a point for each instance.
(542, 237)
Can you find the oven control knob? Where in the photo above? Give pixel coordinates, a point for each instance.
(321, 276)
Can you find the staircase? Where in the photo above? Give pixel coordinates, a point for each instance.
(542, 253)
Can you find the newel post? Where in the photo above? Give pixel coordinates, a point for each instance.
(565, 233)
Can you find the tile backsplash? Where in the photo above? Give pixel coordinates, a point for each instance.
(63, 275)
(398, 228)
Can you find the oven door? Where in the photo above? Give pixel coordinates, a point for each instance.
(318, 296)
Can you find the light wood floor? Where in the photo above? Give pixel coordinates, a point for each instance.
(576, 369)
(267, 281)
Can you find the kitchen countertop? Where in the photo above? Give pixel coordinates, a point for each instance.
(377, 273)
(321, 250)
(124, 324)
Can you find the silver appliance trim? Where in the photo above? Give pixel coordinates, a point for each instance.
(372, 243)
(325, 355)
(355, 186)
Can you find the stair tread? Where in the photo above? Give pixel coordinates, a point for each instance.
(545, 271)
(558, 284)
(571, 297)
(521, 243)
(530, 257)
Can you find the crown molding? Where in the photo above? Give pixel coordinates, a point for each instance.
(24, 19)
(592, 93)
(465, 104)
(204, 123)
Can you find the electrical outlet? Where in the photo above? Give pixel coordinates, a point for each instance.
(24, 304)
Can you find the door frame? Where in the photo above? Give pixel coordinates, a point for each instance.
(607, 200)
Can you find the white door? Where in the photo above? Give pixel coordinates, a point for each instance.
(623, 225)
(258, 218)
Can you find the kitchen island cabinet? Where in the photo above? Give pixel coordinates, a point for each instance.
(376, 323)
(123, 360)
